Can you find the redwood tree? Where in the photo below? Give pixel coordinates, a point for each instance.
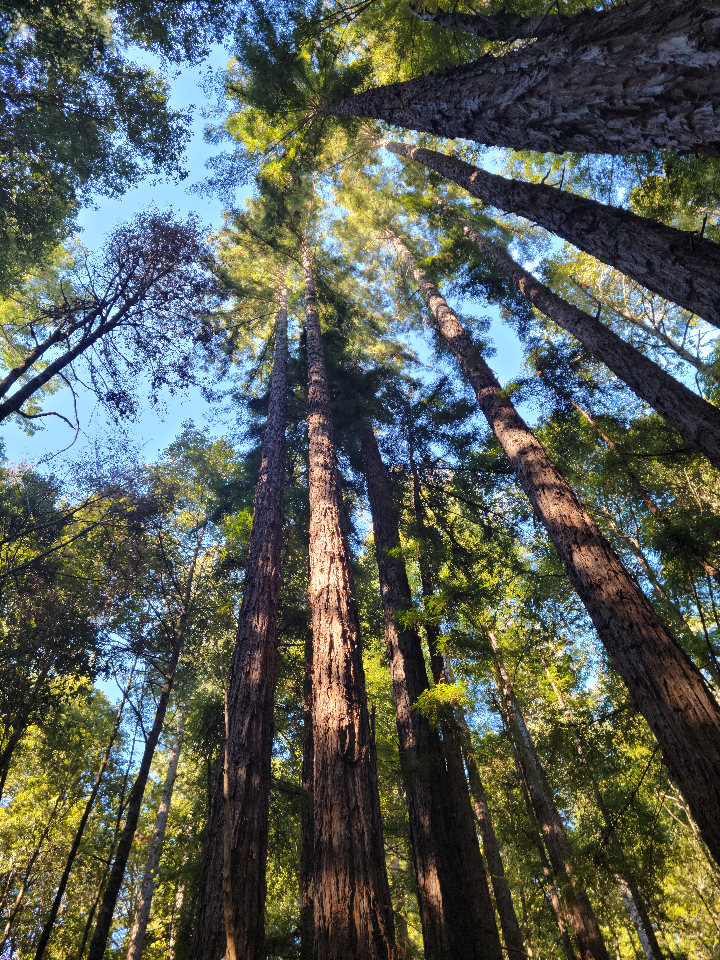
(667, 689)
(353, 911)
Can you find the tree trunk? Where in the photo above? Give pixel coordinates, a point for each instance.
(307, 816)
(124, 847)
(675, 264)
(577, 903)
(631, 896)
(22, 717)
(250, 698)
(77, 839)
(497, 26)
(642, 77)
(445, 914)
(694, 418)
(142, 916)
(353, 910)
(667, 690)
(472, 890)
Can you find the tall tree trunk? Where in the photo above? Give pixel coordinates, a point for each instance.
(353, 910)
(127, 835)
(667, 690)
(444, 899)
(77, 839)
(497, 26)
(142, 916)
(628, 887)
(642, 77)
(577, 903)
(251, 693)
(472, 888)
(307, 816)
(675, 264)
(694, 418)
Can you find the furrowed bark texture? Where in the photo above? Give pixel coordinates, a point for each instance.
(577, 904)
(498, 26)
(353, 910)
(448, 930)
(251, 693)
(667, 690)
(675, 264)
(694, 418)
(137, 937)
(471, 883)
(643, 76)
(127, 835)
(307, 816)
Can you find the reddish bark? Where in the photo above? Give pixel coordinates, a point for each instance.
(353, 910)
(672, 263)
(667, 690)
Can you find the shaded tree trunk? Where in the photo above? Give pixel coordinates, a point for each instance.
(498, 26)
(307, 816)
(472, 886)
(353, 910)
(445, 901)
(142, 916)
(127, 835)
(22, 717)
(577, 903)
(630, 894)
(673, 263)
(667, 690)
(694, 418)
(77, 839)
(643, 76)
(250, 700)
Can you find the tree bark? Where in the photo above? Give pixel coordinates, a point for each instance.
(677, 265)
(353, 910)
(643, 76)
(445, 914)
(251, 695)
(77, 839)
(498, 26)
(577, 903)
(472, 891)
(694, 418)
(667, 690)
(127, 835)
(142, 915)
(631, 896)
(307, 816)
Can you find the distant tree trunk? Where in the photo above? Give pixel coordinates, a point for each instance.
(631, 896)
(673, 263)
(694, 418)
(127, 835)
(77, 839)
(353, 910)
(175, 919)
(642, 76)
(142, 916)
(472, 888)
(577, 903)
(667, 690)
(231, 951)
(307, 815)
(250, 700)
(446, 915)
(497, 26)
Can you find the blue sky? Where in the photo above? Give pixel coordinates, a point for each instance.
(155, 429)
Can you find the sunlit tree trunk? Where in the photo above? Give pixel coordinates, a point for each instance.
(142, 916)
(673, 263)
(353, 910)
(643, 76)
(667, 690)
(239, 814)
(577, 903)
(445, 902)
